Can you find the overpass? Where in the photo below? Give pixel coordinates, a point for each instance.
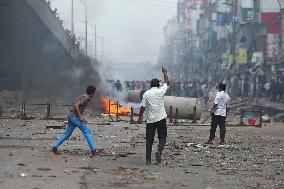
(45, 14)
(36, 51)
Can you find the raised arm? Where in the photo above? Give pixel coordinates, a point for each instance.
(140, 120)
(166, 77)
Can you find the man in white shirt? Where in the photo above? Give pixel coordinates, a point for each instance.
(267, 89)
(153, 103)
(219, 113)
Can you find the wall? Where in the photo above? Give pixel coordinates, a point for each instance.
(31, 55)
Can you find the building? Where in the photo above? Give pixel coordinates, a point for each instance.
(231, 41)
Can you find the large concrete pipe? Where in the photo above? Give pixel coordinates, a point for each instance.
(135, 95)
(186, 106)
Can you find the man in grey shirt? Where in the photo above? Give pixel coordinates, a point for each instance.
(76, 119)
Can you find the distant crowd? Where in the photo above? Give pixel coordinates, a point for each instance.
(181, 89)
(271, 90)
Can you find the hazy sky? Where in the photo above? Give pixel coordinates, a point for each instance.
(132, 30)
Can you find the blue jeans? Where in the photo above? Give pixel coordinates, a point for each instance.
(74, 122)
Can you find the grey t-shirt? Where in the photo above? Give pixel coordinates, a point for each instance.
(84, 100)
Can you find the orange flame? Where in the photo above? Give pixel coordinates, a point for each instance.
(111, 107)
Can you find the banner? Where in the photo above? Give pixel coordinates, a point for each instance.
(257, 57)
(272, 45)
(246, 14)
(242, 58)
(223, 19)
(230, 59)
(270, 5)
(272, 21)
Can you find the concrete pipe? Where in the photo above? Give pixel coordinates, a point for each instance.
(185, 107)
(135, 95)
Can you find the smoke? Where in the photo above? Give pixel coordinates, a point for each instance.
(132, 30)
(132, 33)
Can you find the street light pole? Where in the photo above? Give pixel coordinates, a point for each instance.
(86, 27)
(282, 26)
(95, 41)
(72, 17)
(102, 47)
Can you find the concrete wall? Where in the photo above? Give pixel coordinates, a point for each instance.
(42, 10)
(31, 54)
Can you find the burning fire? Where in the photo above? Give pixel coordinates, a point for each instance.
(111, 107)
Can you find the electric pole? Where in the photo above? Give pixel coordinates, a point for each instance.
(102, 47)
(95, 41)
(86, 27)
(282, 26)
(72, 17)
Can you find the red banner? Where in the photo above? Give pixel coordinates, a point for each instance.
(272, 21)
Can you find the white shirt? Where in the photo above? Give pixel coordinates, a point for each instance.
(153, 101)
(266, 86)
(222, 100)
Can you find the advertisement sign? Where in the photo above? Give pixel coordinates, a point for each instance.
(272, 21)
(246, 14)
(242, 58)
(270, 5)
(257, 57)
(247, 3)
(272, 45)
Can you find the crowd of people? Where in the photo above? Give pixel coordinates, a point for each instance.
(118, 86)
(270, 90)
(182, 89)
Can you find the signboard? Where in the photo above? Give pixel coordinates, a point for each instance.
(272, 21)
(247, 3)
(242, 58)
(251, 118)
(272, 45)
(271, 5)
(246, 14)
(257, 57)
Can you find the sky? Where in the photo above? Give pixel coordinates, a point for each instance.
(131, 31)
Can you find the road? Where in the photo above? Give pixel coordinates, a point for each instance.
(252, 157)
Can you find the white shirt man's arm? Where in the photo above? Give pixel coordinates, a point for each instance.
(215, 104)
(142, 109)
(164, 88)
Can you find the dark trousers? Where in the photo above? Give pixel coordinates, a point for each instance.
(150, 135)
(218, 120)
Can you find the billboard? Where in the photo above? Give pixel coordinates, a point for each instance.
(272, 21)
(272, 45)
(242, 58)
(271, 5)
